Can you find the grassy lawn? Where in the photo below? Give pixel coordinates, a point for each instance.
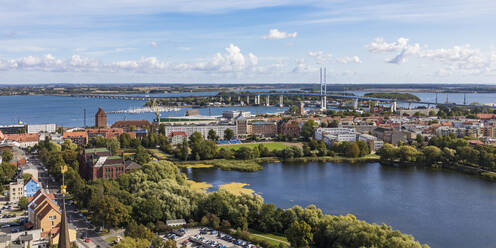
(110, 239)
(273, 239)
(270, 235)
(18, 212)
(270, 145)
(157, 154)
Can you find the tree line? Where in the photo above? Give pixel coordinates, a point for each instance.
(439, 151)
(142, 201)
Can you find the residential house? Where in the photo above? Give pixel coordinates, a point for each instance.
(16, 190)
(31, 187)
(78, 138)
(177, 137)
(23, 140)
(107, 133)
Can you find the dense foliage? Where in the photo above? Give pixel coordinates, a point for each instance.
(144, 199)
(397, 96)
(442, 151)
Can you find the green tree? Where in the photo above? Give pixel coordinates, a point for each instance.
(128, 242)
(7, 155)
(125, 140)
(182, 151)
(299, 234)
(431, 155)
(212, 135)
(243, 153)
(108, 210)
(23, 203)
(353, 151)
(228, 134)
(139, 231)
(408, 154)
(7, 171)
(114, 145)
(142, 156)
(308, 129)
(388, 153)
(364, 148)
(68, 145)
(26, 177)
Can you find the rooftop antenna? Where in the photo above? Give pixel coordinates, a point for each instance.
(464, 99)
(436, 98)
(446, 98)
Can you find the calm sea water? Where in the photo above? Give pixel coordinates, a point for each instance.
(438, 207)
(68, 111)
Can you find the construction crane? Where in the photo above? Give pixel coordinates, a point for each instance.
(157, 112)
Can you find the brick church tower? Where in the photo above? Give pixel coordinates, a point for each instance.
(100, 118)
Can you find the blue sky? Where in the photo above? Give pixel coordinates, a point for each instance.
(251, 41)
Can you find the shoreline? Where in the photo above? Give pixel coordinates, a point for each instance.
(254, 165)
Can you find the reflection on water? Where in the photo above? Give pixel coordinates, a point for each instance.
(439, 207)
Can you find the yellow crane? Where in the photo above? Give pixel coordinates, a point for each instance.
(157, 112)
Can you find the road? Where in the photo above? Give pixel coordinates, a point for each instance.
(75, 218)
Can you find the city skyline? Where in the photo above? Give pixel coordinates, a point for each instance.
(247, 42)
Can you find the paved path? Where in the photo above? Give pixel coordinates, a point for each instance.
(273, 239)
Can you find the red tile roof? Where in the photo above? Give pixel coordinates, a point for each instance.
(75, 134)
(22, 137)
(34, 179)
(178, 133)
(136, 123)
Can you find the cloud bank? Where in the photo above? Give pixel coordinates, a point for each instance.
(275, 34)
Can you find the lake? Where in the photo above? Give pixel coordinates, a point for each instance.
(439, 207)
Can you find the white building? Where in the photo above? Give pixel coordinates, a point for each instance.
(16, 190)
(203, 129)
(321, 132)
(231, 114)
(41, 128)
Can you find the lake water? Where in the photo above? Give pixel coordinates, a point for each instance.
(439, 207)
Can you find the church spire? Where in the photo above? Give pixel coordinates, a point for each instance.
(64, 239)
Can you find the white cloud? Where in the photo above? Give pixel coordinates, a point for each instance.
(301, 67)
(458, 59)
(349, 60)
(233, 60)
(275, 34)
(380, 45)
(154, 44)
(321, 57)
